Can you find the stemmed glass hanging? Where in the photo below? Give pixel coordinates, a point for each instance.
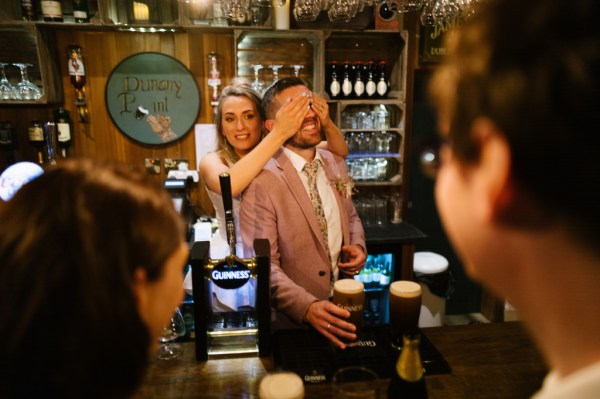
(297, 69)
(7, 91)
(275, 69)
(257, 85)
(26, 89)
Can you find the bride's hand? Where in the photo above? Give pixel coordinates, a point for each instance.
(290, 116)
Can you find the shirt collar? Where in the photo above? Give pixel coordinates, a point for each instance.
(297, 161)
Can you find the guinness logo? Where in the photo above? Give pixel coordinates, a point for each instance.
(230, 275)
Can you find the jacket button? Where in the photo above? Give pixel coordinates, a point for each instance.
(321, 273)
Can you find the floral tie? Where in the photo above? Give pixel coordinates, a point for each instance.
(311, 169)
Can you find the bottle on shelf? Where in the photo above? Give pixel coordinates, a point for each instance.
(359, 82)
(347, 85)
(52, 11)
(35, 134)
(27, 11)
(7, 142)
(334, 87)
(408, 381)
(81, 11)
(50, 133)
(371, 85)
(62, 118)
(382, 82)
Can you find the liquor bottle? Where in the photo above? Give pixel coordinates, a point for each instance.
(334, 85)
(35, 135)
(7, 141)
(408, 381)
(346, 81)
(382, 83)
(359, 83)
(62, 118)
(376, 273)
(370, 86)
(80, 11)
(52, 11)
(50, 133)
(27, 11)
(385, 278)
(77, 71)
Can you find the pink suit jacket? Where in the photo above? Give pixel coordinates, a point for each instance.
(277, 207)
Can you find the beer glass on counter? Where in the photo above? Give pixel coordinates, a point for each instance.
(349, 294)
(405, 307)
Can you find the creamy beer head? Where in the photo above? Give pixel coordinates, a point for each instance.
(349, 286)
(282, 385)
(406, 289)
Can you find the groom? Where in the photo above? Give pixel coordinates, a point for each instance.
(308, 217)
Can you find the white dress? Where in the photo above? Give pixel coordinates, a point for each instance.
(224, 300)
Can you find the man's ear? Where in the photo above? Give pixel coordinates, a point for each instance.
(493, 182)
(269, 124)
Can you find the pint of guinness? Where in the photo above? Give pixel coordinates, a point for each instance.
(405, 307)
(349, 294)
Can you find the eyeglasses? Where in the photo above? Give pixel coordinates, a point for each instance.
(429, 159)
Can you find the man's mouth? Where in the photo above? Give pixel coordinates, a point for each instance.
(309, 126)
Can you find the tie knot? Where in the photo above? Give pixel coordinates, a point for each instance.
(310, 168)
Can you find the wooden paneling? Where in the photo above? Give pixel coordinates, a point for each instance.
(102, 51)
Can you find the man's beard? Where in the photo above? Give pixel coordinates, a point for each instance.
(299, 142)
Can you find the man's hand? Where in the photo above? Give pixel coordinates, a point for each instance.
(355, 259)
(328, 319)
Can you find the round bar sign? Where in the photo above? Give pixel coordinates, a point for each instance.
(152, 98)
(230, 276)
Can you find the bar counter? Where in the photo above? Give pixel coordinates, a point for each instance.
(494, 360)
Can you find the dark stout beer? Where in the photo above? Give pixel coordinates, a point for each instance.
(349, 294)
(405, 307)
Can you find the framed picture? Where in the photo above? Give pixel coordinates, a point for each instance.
(152, 98)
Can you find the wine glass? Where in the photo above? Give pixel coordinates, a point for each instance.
(25, 88)
(7, 91)
(257, 85)
(275, 69)
(174, 329)
(297, 69)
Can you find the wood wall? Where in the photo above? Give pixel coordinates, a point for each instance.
(102, 51)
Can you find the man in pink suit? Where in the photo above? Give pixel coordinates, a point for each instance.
(277, 205)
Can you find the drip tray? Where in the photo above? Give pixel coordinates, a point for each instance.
(310, 355)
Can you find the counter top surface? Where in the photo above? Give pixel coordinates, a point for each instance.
(393, 233)
(495, 360)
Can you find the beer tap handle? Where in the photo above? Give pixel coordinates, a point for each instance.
(225, 181)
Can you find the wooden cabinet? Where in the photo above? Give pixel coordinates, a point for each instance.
(34, 47)
(374, 128)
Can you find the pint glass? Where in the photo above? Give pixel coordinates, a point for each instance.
(349, 294)
(405, 307)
